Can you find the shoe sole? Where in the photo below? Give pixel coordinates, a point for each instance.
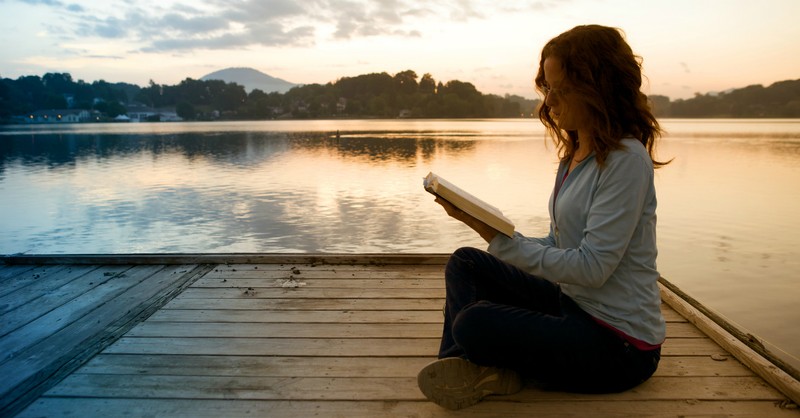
(455, 383)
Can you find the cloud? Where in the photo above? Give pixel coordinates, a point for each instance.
(43, 2)
(240, 24)
(111, 28)
(182, 27)
(255, 10)
(267, 35)
(73, 7)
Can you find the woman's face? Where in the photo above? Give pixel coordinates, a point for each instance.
(566, 107)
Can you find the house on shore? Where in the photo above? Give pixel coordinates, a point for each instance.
(150, 114)
(60, 116)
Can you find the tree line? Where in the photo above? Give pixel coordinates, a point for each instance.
(27, 94)
(779, 100)
(377, 95)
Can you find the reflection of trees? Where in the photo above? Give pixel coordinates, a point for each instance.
(236, 148)
(787, 149)
(65, 149)
(381, 146)
(748, 140)
(778, 149)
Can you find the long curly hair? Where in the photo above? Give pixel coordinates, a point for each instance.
(602, 69)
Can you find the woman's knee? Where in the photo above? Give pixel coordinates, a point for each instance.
(460, 264)
(472, 330)
(463, 255)
(463, 260)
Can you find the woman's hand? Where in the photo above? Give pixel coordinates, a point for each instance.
(485, 231)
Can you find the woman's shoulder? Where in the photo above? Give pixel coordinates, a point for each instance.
(631, 150)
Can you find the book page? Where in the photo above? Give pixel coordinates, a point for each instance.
(470, 204)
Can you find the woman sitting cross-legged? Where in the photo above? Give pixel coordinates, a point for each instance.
(579, 309)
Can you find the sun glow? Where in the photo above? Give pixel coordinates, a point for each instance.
(493, 46)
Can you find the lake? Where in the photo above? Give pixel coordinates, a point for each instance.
(728, 225)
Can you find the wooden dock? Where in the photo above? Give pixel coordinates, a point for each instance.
(298, 336)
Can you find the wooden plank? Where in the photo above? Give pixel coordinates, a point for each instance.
(370, 276)
(490, 408)
(296, 316)
(697, 347)
(258, 294)
(673, 388)
(286, 330)
(386, 388)
(767, 370)
(238, 387)
(718, 365)
(39, 366)
(322, 347)
(238, 258)
(301, 292)
(264, 366)
(83, 291)
(671, 316)
(38, 355)
(322, 270)
(323, 282)
(9, 272)
(319, 330)
(247, 303)
(28, 274)
(295, 366)
(35, 331)
(305, 267)
(259, 304)
(232, 316)
(333, 347)
(683, 330)
(36, 284)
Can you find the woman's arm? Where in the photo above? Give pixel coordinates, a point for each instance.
(485, 231)
(616, 209)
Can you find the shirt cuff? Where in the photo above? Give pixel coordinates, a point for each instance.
(498, 243)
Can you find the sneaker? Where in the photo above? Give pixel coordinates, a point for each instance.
(455, 383)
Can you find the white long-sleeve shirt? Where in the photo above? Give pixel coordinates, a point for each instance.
(602, 243)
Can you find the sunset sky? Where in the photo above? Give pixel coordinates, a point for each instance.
(688, 46)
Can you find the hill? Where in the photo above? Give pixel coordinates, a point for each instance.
(250, 79)
(778, 100)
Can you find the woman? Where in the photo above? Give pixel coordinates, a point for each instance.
(577, 310)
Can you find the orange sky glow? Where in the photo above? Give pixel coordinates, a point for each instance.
(688, 46)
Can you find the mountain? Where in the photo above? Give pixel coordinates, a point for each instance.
(251, 79)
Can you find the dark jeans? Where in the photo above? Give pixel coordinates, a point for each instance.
(498, 315)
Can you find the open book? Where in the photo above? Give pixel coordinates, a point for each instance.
(470, 204)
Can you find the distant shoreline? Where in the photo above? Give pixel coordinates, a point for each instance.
(12, 123)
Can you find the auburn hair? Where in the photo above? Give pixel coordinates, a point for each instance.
(601, 68)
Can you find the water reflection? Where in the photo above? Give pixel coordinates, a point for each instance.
(216, 191)
(382, 146)
(237, 148)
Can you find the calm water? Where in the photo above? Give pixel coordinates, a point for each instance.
(728, 227)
